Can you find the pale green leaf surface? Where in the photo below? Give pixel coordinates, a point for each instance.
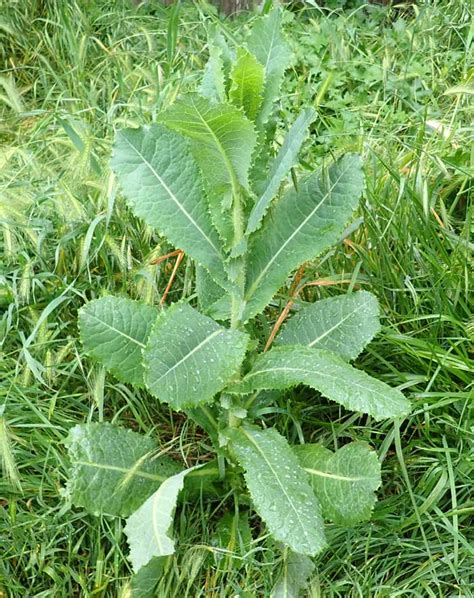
(284, 160)
(268, 45)
(112, 469)
(213, 80)
(279, 488)
(114, 331)
(143, 583)
(222, 138)
(298, 227)
(343, 325)
(326, 372)
(247, 83)
(296, 571)
(189, 357)
(345, 481)
(163, 186)
(148, 528)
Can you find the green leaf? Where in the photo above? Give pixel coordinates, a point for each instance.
(247, 83)
(297, 569)
(279, 488)
(268, 45)
(213, 80)
(343, 325)
(344, 481)
(190, 358)
(112, 469)
(299, 227)
(147, 529)
(213, 300)
(222, 139)
(143, 583)
(285, 159)
(163, 186)
(115, 330)
(326, 372)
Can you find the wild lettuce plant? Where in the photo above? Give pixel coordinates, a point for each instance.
(206, 177)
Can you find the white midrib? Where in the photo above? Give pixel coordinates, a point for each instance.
(255, 284)
(119, 332)
(276, 477)
(339, 323)
(173, 197)
(188, 355)
(137, 472)
(334, 476)
(318, 373)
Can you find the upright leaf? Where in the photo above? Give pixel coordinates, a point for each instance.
(279, 488)
(113, 470)
(299, 227)
(148, 528)
(162, 183)
(268, 45)
(296, 571)
(190, 358)
(343, 325)
(115, 330)
(344, 481)
(213, 80)
(247, 83)
(284, 367)
(222, 140)
(285, 159)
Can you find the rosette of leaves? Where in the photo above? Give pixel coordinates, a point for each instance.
(207, 177)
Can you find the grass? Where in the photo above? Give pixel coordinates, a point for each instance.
(73, 72)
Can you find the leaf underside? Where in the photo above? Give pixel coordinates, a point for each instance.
(147, 529)
(279, 488)
(112, 469)
(345, 481)
(189, 358)
(343, 325)
(114, 331)
(163, 186)
(326, 372)
(301, 225)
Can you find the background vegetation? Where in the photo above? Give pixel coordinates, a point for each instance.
(394, 84)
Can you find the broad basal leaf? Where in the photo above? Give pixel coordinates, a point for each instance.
(285, 159)
(189, 358)
(113, 470)
(344, 481)
(114, 330)
(296, 571)
(284, 367)
(279, 488)
(247, 83)
(267, 44)
(344, 325)
(148, 528)
(163, 186)
(299, 227)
